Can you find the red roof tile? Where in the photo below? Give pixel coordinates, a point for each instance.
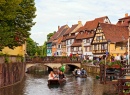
(91, 25)
(76, 44)
(123, 21)
(71, 29)
(58, 33)
(115, 33)
(84, 35)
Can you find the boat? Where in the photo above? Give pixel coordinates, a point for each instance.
(56, 81)
(81, 76)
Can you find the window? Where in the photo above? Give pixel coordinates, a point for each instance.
(95, 47)
(70, 41)
(121, 47)
(84, 40)
(88, 41)
(104, 46)
(58, 46)
(75, 49)
(90, 48)
(80, 48)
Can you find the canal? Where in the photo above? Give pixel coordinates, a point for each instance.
(37, 85)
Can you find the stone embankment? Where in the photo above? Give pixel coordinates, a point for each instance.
(12, 71)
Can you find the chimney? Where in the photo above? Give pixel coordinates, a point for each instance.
(126, 14)
(79, 22)
(58, 27)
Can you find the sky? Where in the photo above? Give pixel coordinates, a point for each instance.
(54, 13)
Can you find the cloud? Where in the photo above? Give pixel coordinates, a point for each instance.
(51, 13)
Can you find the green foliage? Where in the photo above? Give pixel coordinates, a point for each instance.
(84, 61)
(95, 61)
(102, 62)
(64, 56)
(31, 47)
(114, 63)
(44, 47)
(6, 56)
(50, 35)
(89, 61)
(1, 54)
(16, 19)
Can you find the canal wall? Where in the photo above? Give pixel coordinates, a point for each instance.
(11, 73)
(91, 68)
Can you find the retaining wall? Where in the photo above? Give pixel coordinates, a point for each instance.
(11, 73)
(91, 68)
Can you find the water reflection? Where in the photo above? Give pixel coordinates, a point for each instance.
(37, 85)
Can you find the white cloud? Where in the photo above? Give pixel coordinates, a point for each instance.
(51, 13)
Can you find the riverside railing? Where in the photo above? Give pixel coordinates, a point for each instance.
(52, 59)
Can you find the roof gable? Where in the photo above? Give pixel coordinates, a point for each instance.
(91, 25)
(114, 33)
(124, 21)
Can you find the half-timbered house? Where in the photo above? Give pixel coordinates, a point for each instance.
(109, 38)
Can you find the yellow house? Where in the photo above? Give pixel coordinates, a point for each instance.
(20, 50)
(110, 39)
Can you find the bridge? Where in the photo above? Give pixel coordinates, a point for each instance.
(53, 62)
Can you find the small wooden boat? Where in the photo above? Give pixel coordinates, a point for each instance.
(56, 81)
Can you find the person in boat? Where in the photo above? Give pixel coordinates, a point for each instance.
(83, 71)
(75, 72)
(61, 75)
(56, 75)
(78, 72)
(51, 75)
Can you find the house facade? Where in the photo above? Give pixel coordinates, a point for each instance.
(110, 39)
(20, 50)
(84, 38)
(53, 48)
(69, 37)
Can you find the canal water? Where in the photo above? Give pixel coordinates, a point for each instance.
(37, 85)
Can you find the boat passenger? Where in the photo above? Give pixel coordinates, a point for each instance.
(56, 75)
(78, 72)
(82, 71)
(85, 73)
(51, 75)
(61, 75)
(75, 72)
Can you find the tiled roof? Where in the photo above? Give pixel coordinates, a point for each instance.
(128, 17)
(84, 35)
(91, 25)
(115, 33)
(58, 33)
(63, 32)
(71, 29)
(80, 29)
(61, 36)
(76, 44)
(123, 21)
(70, 37)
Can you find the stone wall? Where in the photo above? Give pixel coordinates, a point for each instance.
(91, 68)
(11, 73)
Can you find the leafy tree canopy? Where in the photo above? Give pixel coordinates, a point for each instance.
(50, 35)
(16, 20)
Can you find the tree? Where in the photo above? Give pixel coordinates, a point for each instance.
(16, 20)
(45, 49)
(31, 47)
(50, 35)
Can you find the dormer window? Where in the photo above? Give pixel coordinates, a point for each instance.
(122, 21)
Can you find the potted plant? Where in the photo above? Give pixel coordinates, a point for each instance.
(115, 64)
